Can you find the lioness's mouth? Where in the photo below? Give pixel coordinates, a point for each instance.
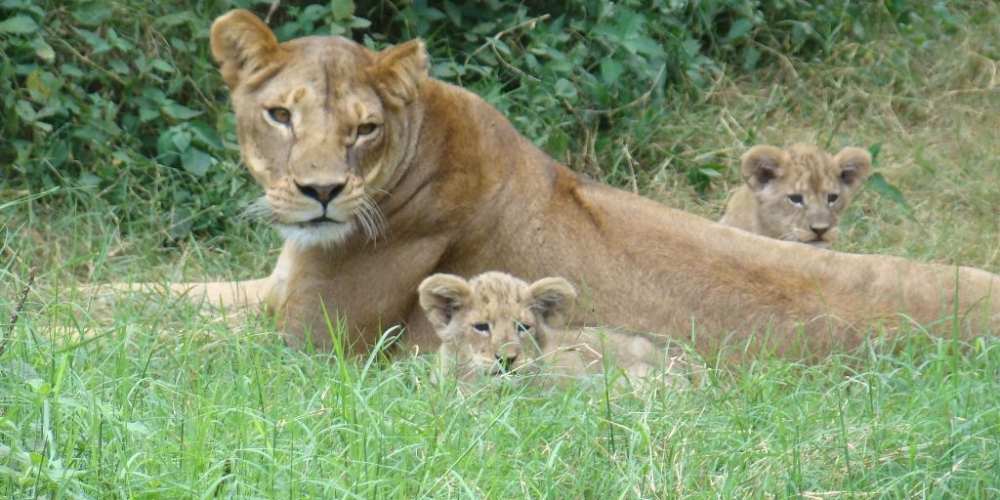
(318, 221)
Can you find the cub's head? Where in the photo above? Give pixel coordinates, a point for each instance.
(322, 123)
(491, 324)
(802, 191)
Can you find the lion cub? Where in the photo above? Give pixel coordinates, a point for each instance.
(796, 194)
(496, 324)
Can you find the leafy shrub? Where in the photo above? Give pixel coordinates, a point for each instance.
(120, 101)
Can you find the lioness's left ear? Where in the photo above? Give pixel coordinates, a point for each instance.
(855, 166)
(441, 296)
(242, 45)
(551, 299)
(399, 72)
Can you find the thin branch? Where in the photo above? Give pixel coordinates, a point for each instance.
(271, 10)
(14, 316)
(97, 67)
(530, 24)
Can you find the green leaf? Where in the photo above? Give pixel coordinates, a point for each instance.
(146, 113)
(43, 50)
(881, 186)
(196, 161)
(162, 66)
(611, 70)
(119, 66)
(739, 29)
(176, 19)
(205, 134)
(500, 46)
(565, 88)
(875, 149)
(89, 180)
(92, 13)
(25, 110)
(710, 171)
(181, 141)
(179, 111)
(342, 9)
(18, 25)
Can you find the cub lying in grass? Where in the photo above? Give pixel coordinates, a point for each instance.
(496, 324)
(796, 194)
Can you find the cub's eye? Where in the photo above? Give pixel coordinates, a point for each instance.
(523, 328)
(795, 199)
(481, 328)
(366, 129)
(280, 115)
(832, 198)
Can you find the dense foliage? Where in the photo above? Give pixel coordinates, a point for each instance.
(120, 100)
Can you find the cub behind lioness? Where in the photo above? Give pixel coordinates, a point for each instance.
(796, 194)
(496, 324)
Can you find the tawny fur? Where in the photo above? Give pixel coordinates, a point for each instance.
(495, 324)
(796, 194)
(444, 183)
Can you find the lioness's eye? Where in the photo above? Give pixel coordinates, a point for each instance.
(832, 198)
(280, 115)
(796, 199)
(523, 328)
(366, 129)
(483, 328)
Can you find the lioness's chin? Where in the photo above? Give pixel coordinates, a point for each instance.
(326, 234)
(819, 244)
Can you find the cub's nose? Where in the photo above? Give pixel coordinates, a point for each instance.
(323, 193)
(506, 362)
(819, 228)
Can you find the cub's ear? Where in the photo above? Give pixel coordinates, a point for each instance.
(242, 45)
(855, 166)
(551, 299)
(441, 296)
(762, 164)
(399, 72)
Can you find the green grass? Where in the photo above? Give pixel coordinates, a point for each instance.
(166, 405)
(145, 398)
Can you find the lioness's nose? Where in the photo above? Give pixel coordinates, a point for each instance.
(323, 193)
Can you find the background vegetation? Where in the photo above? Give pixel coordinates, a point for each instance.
(118, 158)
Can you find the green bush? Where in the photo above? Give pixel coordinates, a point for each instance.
(120, 101)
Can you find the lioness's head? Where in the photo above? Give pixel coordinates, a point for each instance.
(490, 325)
(802, 191)
(322, 122)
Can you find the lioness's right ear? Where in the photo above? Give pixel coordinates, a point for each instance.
(399, 72)
(551, 299)
(441, 296)
(762, 164)
(242, 45)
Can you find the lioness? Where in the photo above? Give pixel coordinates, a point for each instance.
(495, 324)
(380, 176)
(796, 194)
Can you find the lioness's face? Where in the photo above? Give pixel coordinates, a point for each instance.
(493, 324)
(803, 191)
(319, 120)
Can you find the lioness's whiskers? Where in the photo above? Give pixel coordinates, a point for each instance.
(372, 220)
(257, 209)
